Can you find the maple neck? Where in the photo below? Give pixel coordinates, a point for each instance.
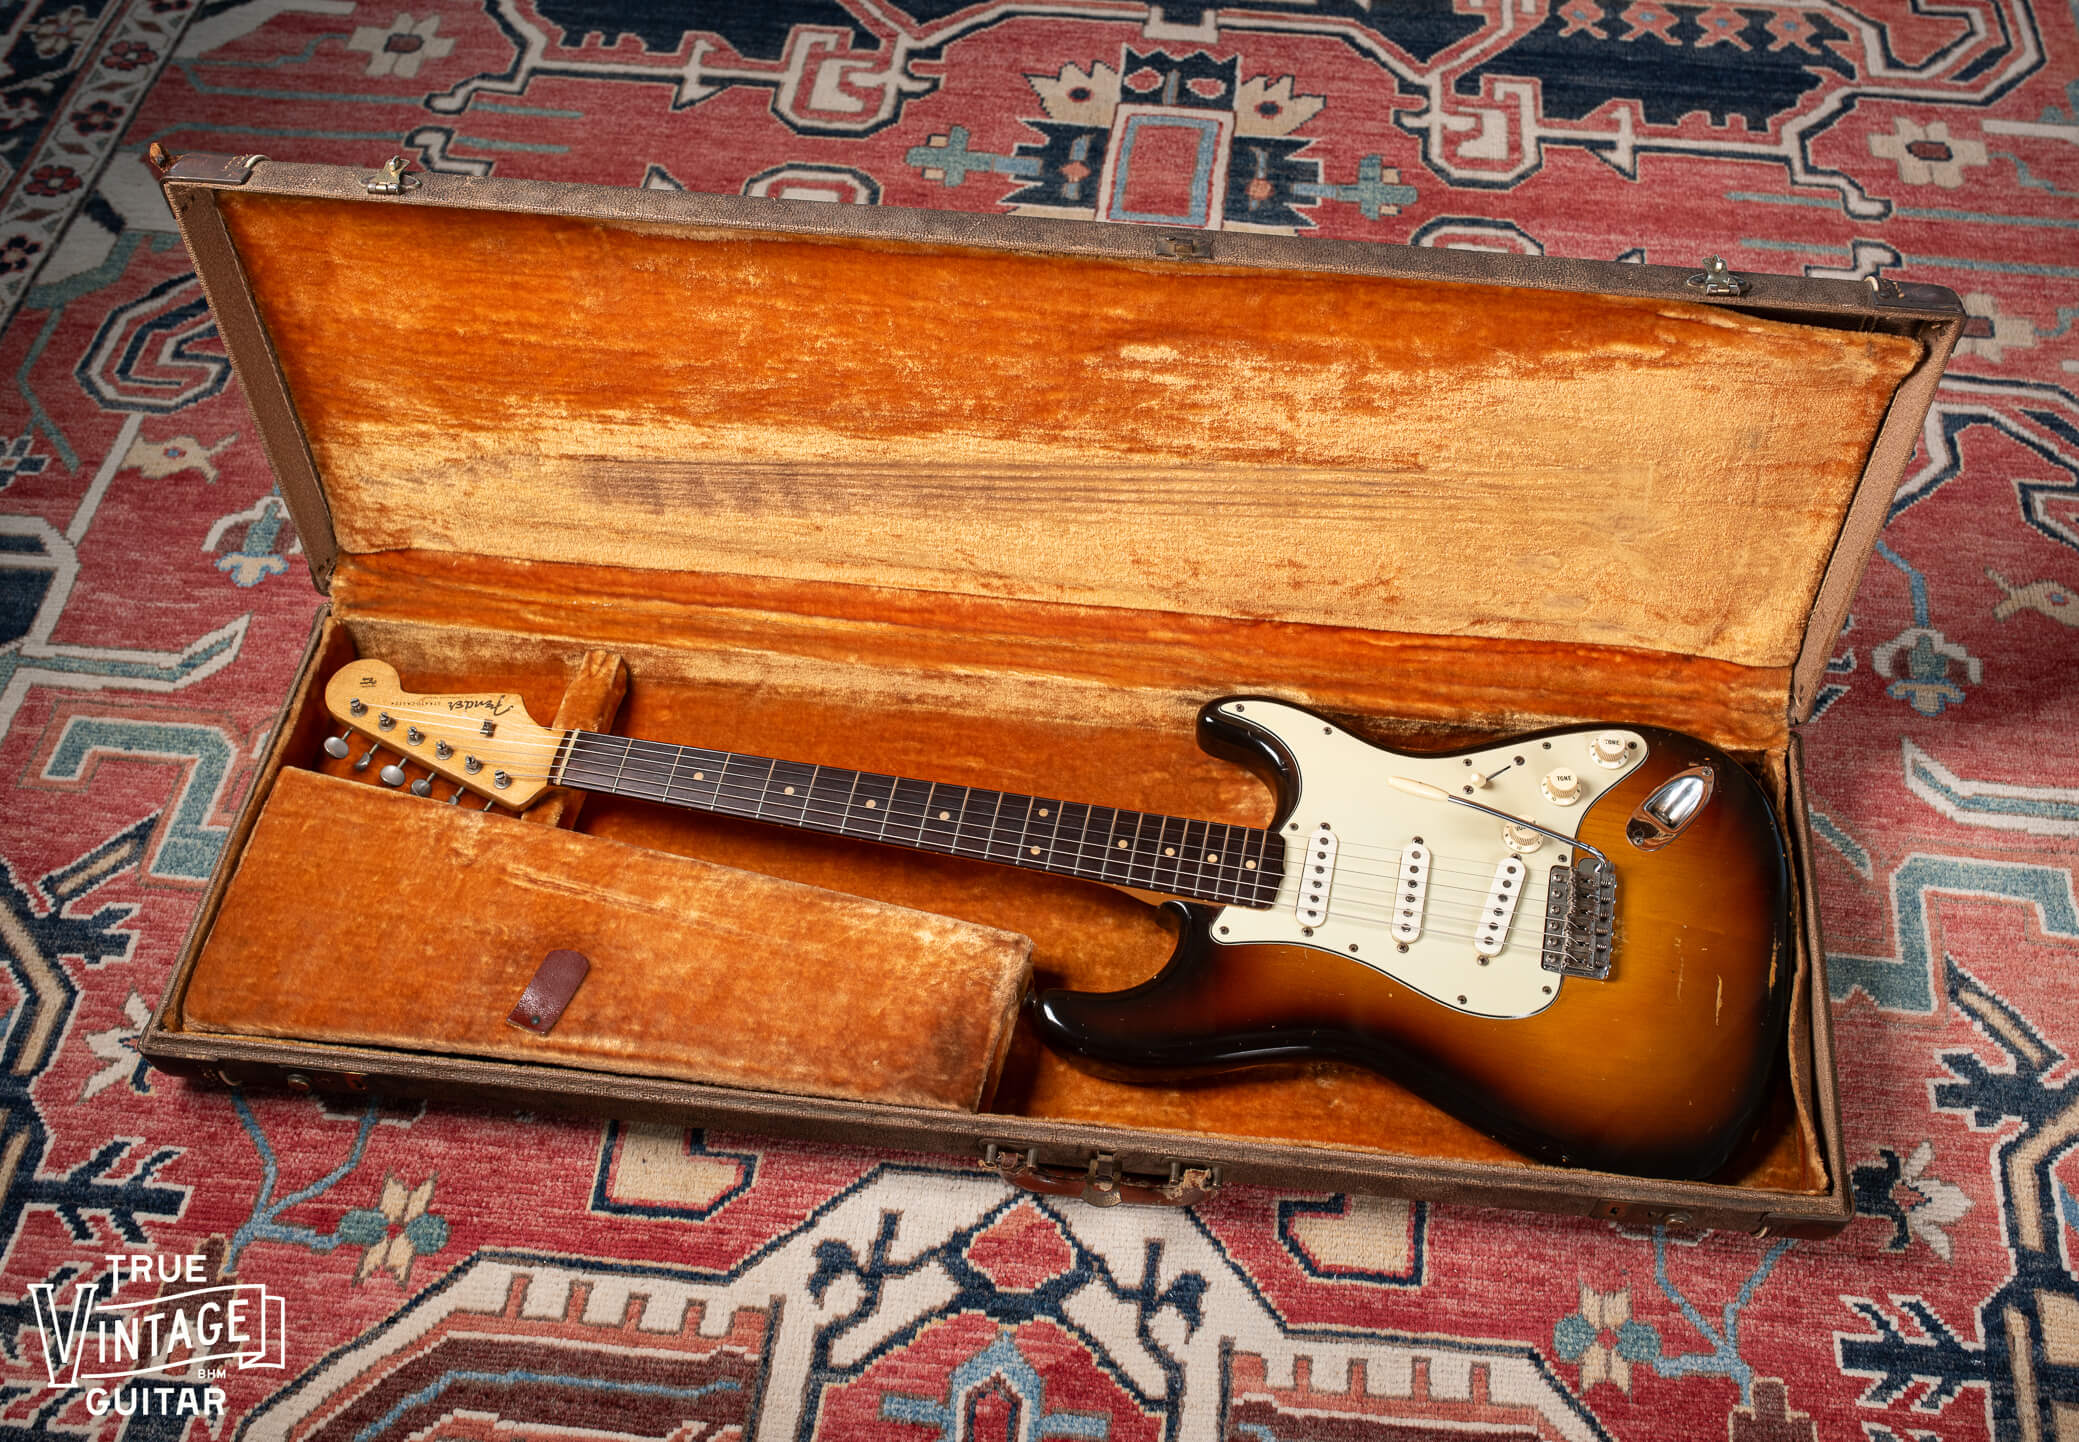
(1173, 855)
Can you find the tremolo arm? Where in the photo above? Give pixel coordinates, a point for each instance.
(1580, 902)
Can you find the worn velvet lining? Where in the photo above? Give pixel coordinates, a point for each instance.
(436, 919)
(1401, 455)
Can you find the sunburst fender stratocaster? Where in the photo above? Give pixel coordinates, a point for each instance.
(1577, 939)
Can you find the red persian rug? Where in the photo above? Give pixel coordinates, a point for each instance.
(455, 1274)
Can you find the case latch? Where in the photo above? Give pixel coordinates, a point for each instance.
(391, 179)
(1102, 1183)
(1717, 278)
(1907, 293)
(1184, 247)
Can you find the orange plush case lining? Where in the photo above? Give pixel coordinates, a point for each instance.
(697, 972)
(841, 502)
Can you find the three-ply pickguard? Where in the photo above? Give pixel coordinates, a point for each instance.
(1442, 898)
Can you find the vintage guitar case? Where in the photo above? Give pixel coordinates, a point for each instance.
(999, 502)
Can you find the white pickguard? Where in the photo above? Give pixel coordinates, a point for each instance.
(1344, 782)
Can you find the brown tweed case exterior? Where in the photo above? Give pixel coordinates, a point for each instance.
(998, 502)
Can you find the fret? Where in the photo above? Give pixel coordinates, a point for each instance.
(1169, 848)
(869, 809)
(828, 791)
(787, 793)
(637, 769)
(1069, 854)
(942, 818)
(617, 783)
(1046, 834)
(1260, 875)
(1034, 832)
(1097, 836)
(764, 786)
(971, 830)
(1140, 869)
(673, 774)
(738, 784)
(844, 810)
(701, 778)
(906, 812)
(1190, 858)
(1245, 870)
(1225, 863)
(604, 762)
(577, 762)
(1008, 832)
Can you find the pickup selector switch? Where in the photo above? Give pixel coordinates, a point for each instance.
(1561, 786)
(1611, 750)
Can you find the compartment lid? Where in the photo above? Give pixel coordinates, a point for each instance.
(1261, 427)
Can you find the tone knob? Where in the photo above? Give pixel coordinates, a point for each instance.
(1610, 749)
(1561, 787)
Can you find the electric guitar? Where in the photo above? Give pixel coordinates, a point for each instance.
(1577, 940)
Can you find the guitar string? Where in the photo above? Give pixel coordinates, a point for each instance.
(722, 759)
(1439, 918)
(752, 799)
(666, 750)
(749, 801)
(1388, 916)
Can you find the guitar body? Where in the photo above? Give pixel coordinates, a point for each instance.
(1577, 940)
(1657, 1067)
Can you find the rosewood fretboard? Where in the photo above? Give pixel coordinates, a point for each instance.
(1173, 855)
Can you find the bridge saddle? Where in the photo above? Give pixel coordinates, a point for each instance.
(1580, 907)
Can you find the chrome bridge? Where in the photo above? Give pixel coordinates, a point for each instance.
(1580, 905)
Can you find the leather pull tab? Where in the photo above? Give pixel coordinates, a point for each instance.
(555, 982)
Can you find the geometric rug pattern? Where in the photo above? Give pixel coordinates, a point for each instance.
(431, 1271)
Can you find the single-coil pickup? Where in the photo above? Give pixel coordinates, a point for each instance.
(1500, 909)
(1414, 885)
(1316, 874)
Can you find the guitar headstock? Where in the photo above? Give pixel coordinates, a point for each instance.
(486, 744)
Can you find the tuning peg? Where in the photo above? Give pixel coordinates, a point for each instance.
(336, 746)
(423, 786)
(362, 764)
(392, 775)
(489, 802)
(456, 799)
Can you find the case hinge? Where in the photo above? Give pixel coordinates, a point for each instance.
(1717, 278)
(1184, 247)
(391, 179)
(1101, 1182)
(213, 169)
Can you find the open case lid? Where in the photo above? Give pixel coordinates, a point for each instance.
(1258, 427)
